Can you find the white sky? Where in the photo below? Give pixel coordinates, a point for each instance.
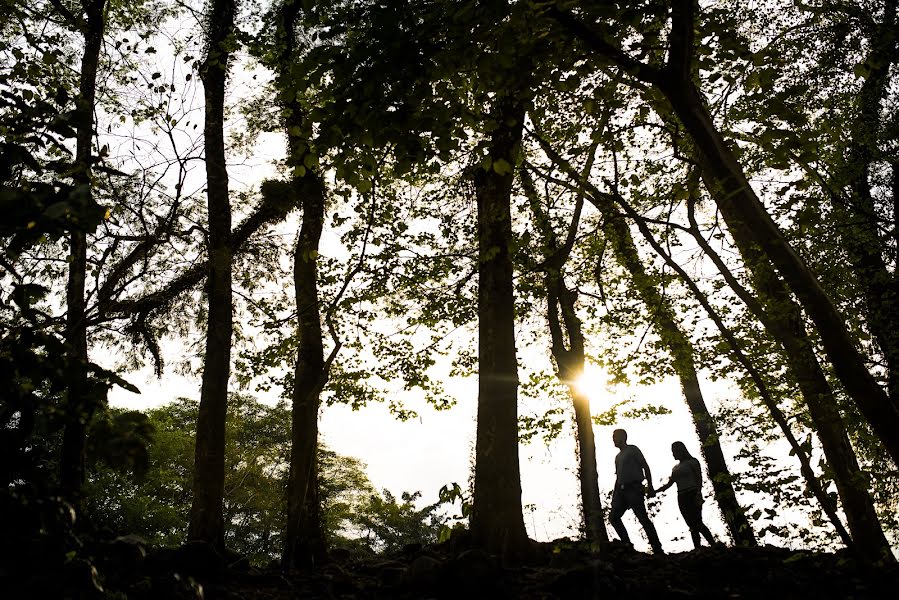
(436, 448)
(428, 452)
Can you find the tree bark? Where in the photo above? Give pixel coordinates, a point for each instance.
(497, 522)
(728, 185)
(569, 360)
(782, 318)
(206, 513)
(570, 364)
(681, 350)
(867, 248)
(80, 404)
(732, 191)
(304, 543)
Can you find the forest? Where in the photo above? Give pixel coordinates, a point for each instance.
(306, 204)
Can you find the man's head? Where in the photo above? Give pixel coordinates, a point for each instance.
(619, 438)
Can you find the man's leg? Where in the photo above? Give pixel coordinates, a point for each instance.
(706, 534)
(695, 535)
(637, 503)
(619, 506)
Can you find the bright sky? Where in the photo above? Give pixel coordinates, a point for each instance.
(425, 453)
(437, 448)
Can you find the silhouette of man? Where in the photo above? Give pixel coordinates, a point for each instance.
(630, 471)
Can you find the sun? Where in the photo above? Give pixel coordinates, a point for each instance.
(591, 382)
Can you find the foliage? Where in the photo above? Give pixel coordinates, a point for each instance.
(398, 97)
(154, 504)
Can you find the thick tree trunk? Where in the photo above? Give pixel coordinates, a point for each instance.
(497, 523)
(782, 318)
(80, 405)
(206, 521)
(723, 172)
(304, 543)
(726, 180)
(681, 351)
(860, 231)
(735, 197)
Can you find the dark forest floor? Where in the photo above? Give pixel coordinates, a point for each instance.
(556, 570)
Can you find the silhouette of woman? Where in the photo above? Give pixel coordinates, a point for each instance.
(687, 474)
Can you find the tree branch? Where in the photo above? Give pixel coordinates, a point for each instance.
(596, 41)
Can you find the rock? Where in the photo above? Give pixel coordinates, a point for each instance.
(200, 560)
(340, 555)
(459, 540)
(389, 572)
(566, 557)
(474, 569)
(126, 555)
(596, 579)
(410, 549)
(423, 573)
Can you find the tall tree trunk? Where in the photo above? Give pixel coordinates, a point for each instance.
(80, 405)
(729, 186)
(727, 183)
(607, 203)
(782, 318)
(304, 543)
(860, 231)
(206, 521)
(681, 350)
(497, 522)
(570, 364)
(569, 360)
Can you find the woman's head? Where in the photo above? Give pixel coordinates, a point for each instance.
(680, 451)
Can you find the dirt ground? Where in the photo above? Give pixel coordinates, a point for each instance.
(561, 569)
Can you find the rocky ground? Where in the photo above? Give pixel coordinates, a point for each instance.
(561, 569)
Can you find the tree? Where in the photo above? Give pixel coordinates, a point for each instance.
(206, 521)
(304, 544)
(679, 347)
(151, 504)
(496, 518)
(610, 200)
(564, 323)
(724, 176)
(80, 405)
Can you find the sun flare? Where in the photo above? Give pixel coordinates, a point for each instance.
(591, 382)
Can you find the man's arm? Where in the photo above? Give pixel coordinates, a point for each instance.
(646, 472)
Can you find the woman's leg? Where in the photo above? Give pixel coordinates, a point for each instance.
(690, 505)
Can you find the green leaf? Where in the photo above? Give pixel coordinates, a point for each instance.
(502, 167)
